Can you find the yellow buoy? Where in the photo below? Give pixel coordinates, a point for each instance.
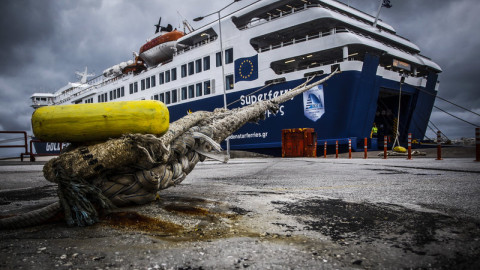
(99, 121)
(400, 149)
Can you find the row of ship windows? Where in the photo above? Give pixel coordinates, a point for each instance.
(171, 75)
(186, 92)
(186, 70)
(114, 94)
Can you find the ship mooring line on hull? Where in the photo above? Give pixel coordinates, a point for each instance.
(461, 107)
(457, 117)
(261, 88)
(435, 132)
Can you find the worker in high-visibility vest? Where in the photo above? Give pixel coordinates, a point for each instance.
(374, 132)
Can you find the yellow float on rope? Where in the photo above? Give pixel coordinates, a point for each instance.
(400, 149)
(99, 121)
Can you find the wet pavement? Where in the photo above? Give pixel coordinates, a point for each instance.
(266, 213)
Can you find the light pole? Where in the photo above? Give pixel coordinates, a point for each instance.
(383, 3)
(221, 59)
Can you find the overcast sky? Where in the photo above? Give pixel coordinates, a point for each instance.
(43, 43)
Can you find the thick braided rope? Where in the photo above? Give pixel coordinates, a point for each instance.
(141, 187)
(31, 218)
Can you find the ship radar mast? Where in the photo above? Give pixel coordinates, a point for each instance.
(160, 28)
(84, 75)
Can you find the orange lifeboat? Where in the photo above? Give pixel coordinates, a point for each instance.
(160, 48)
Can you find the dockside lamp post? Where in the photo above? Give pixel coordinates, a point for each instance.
(221, 58)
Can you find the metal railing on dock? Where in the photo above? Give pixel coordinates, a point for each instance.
(24, 145)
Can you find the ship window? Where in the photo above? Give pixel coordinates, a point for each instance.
(105, 98)
(98, 99)
(142, 84)
(131, 88)
(118, 92)
(206, 63)
(122, 91)
(153, 81)
(218, 58)
(191, 91)
(229, 82)
(167, 76)
(184, 71)
(229, 56)
(162, 97)
(199, 89)
(135, 87)
(167, 97)
(174, 95)
(147, 82)
(155, 97)
(161, 78)
(206, 87)
(184, 93)
(174, 74)
(198, 65)
(191, 70)
(111, 95)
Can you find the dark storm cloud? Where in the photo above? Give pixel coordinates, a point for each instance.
(44, 42)
(24, 24)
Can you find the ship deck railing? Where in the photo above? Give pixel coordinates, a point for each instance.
(196, 45)
(293, 10)
(299, 40)
(99, 83)
(333, 31)
(320, 64)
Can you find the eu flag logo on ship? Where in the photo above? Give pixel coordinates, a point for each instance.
(246, 69)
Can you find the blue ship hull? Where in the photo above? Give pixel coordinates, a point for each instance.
(353, 101)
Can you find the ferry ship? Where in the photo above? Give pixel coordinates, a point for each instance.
(263, 50)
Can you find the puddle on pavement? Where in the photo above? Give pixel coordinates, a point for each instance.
(389, 171)
(367, 222)
(136, 222)
(182, 219)
(186, 209)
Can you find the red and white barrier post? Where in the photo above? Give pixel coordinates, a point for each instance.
(409, 146)
(325, 150)
(477, 144)
(350, 148)
(365, 143)
(336, 149)
(439, 145)
(385, 147)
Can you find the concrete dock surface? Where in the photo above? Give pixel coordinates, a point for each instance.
(266, 213)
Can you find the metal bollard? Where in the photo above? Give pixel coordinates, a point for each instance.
(385, 147)
(350, 148)
(336, 149)
(477, 144)
(325, 150)
(409, 146)
(439, 145)
(365, 145)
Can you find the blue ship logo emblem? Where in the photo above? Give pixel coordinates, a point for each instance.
(313, 103)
